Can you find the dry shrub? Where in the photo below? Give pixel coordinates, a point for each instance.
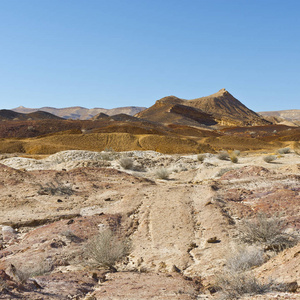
(236, 152)
(38, 268)
(162, 173)
(223, 171)
(268, 232)
(236, 280)
(106, 249)
(126, 163)
(236, 284)
(269, 158)
(57, 188)
(109, 154)
(201, 157)
(234, 159)
(284, 150)
(223, 155)
(243, 258)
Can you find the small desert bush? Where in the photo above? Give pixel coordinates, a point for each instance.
(25, 272)
(223, 155)
(234, 158)
(106, 249)
(269, 158)
(236, 280)
(236, 284)
(284, 150)
(200, 157)
(267, 231)
(126, 163)
(109, 154)
(236, 152)
(55, 189)
(106, 156)
(223, 171)
(162, 173)
(243, 258)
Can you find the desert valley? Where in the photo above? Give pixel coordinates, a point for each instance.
(186, 199)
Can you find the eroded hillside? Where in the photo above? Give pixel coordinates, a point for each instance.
(182, 228)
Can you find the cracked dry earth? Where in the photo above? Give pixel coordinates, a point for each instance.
(181, 229)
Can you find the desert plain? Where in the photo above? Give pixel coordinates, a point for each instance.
(204, 204)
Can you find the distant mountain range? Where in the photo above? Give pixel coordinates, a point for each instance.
(6, 114)
(291, 114)
(220, 109)
(81, 113)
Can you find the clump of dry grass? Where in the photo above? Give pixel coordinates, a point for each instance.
(223, 155)
(236, 284)
(243, 258)
(55, 189)
(223, 171)
(235, 280)
(25, 272)
(236, 152)
(162, 173)
(267, 231)
(269, 158)
(106, 249)
(109, 154)
(284, 150)
(126, 163)
(201, 157)
(234, 158)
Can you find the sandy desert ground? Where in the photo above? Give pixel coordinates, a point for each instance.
(182, 229)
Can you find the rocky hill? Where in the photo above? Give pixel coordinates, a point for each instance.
(81, 113)
(227, 109)
(220, 108)
(173, 110)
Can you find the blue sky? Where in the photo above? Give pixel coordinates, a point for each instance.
(112, 53)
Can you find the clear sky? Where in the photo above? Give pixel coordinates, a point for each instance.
(112, 53)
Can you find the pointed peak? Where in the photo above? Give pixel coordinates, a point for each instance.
(222, 92)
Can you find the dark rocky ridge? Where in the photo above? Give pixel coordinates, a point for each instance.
(6, 114)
